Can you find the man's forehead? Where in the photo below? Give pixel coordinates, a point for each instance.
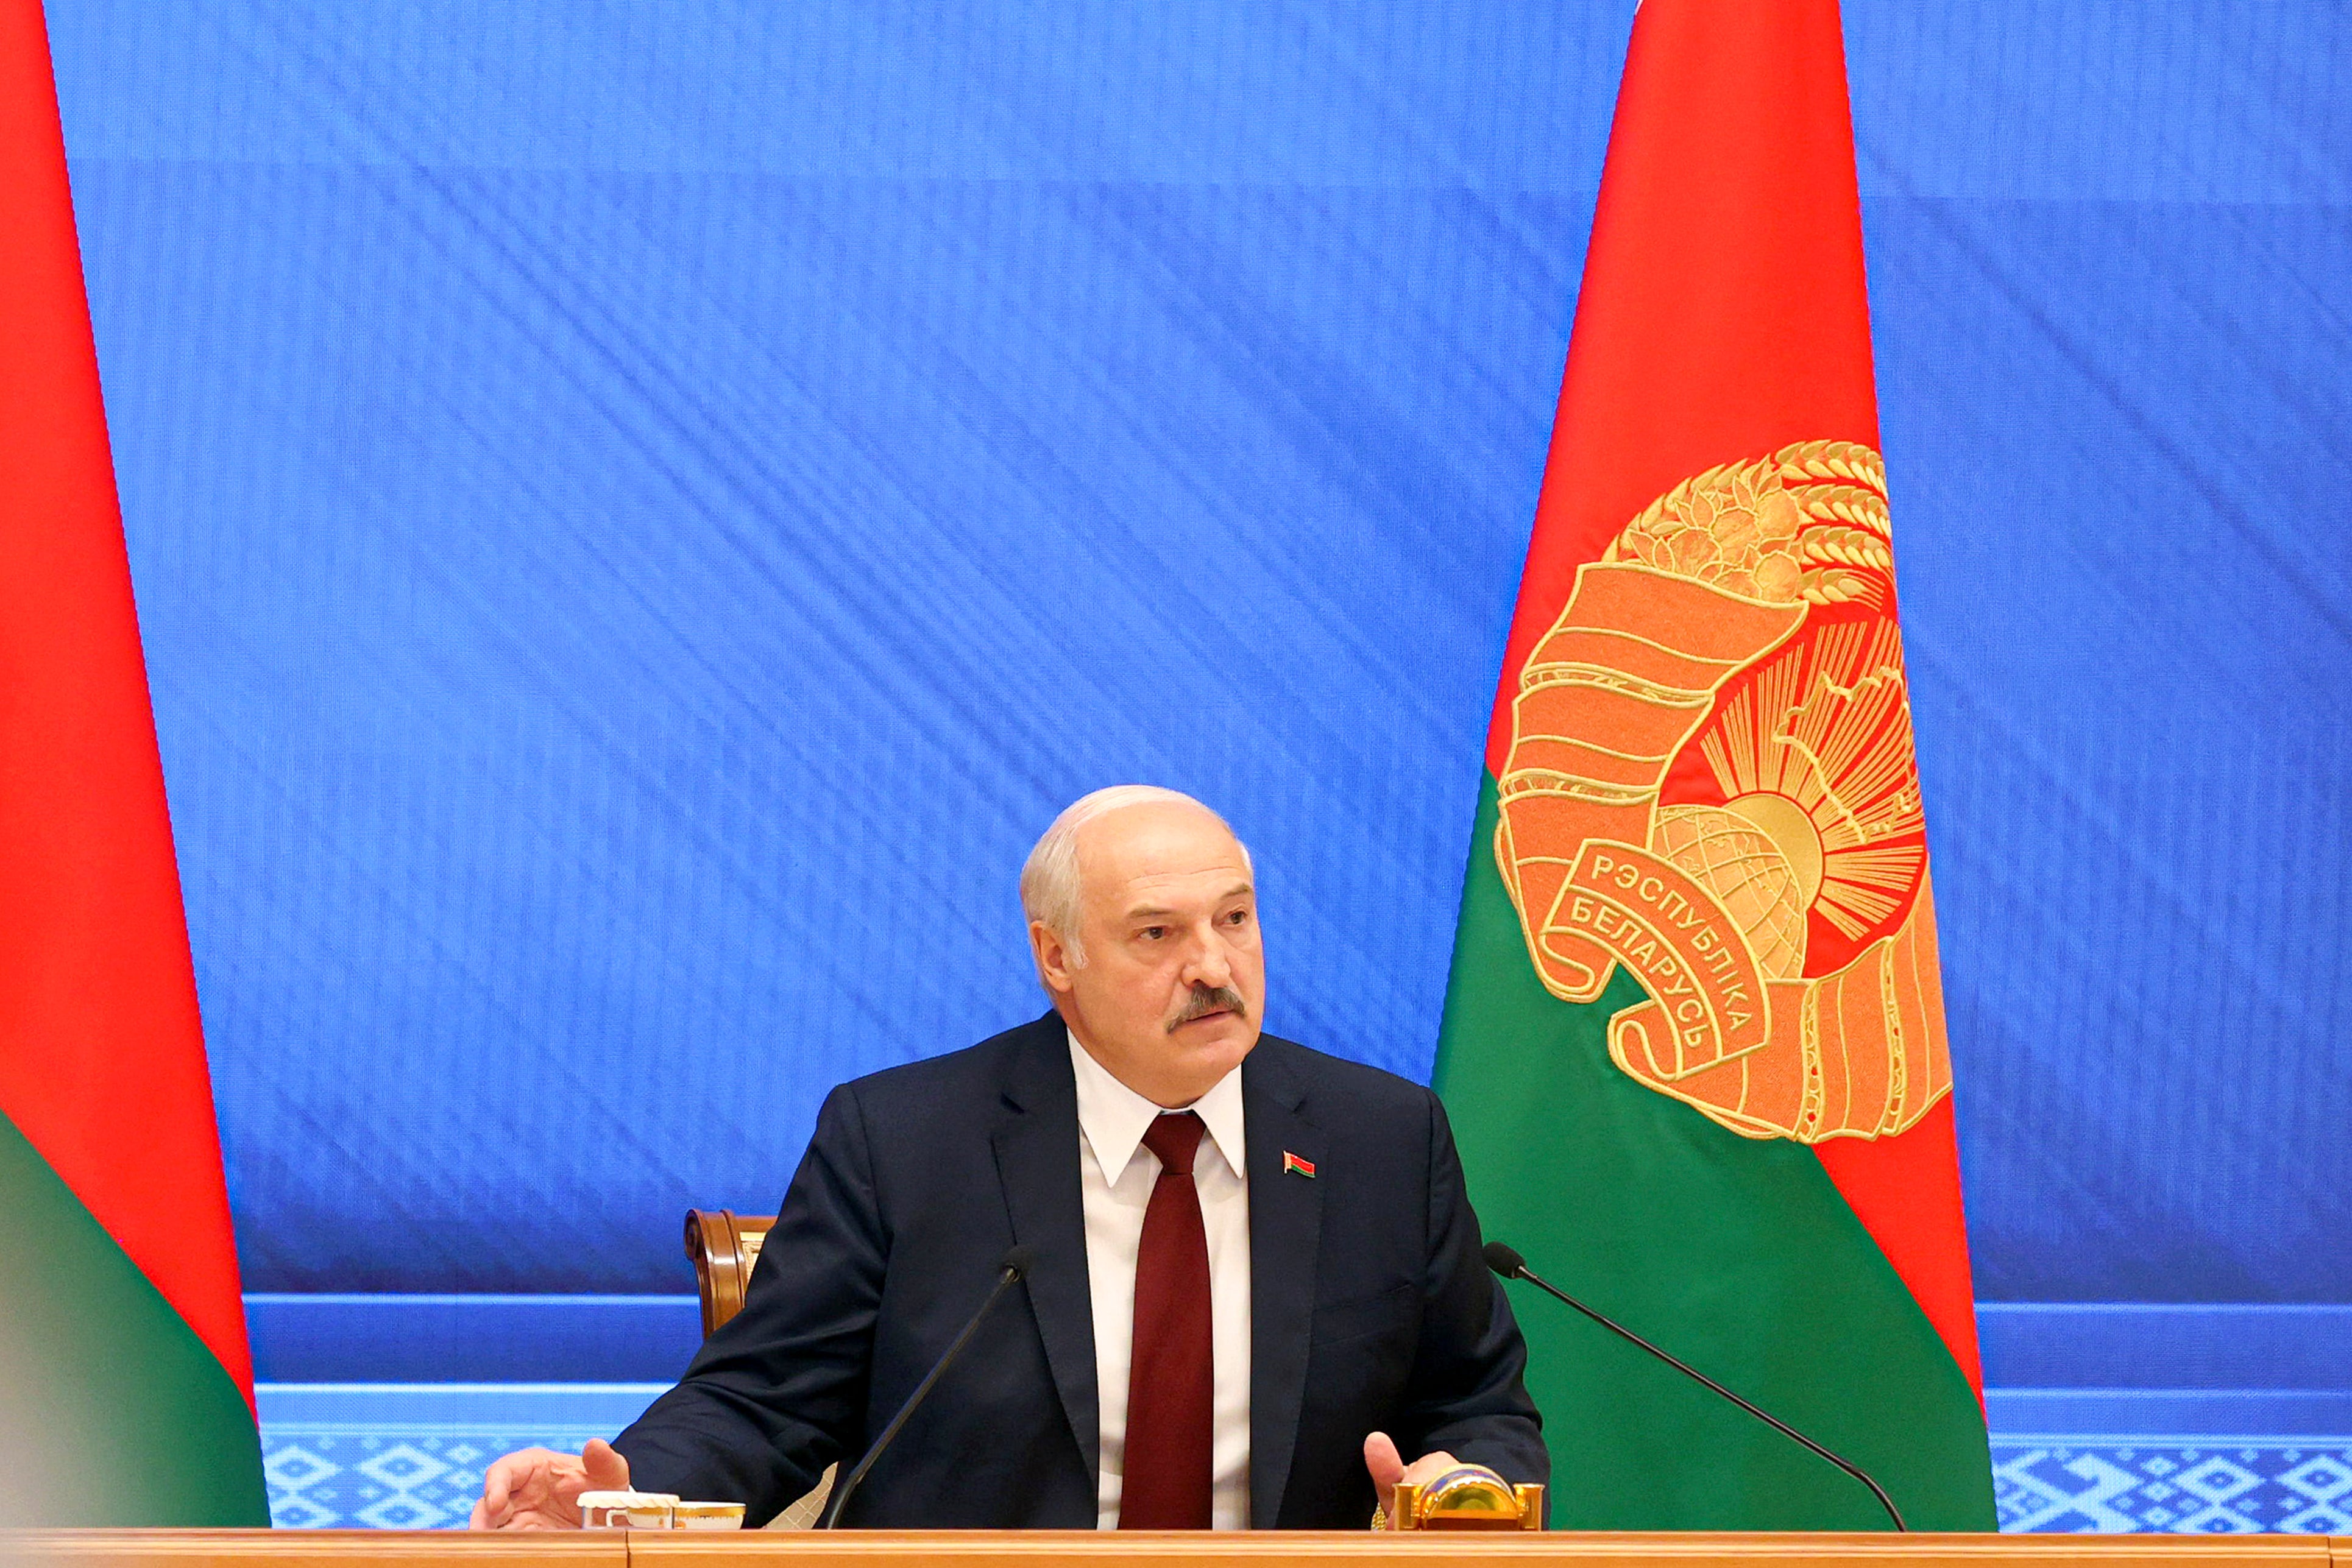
(1127, 851)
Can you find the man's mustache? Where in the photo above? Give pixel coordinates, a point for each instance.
(1207, 999)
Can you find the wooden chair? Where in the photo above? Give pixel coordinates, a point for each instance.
(723, 1246)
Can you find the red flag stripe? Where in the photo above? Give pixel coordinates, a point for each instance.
(1723, 313)
(103, 1070)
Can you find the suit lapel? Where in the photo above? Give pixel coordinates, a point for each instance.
(1036, 1146)
(1285, 1220)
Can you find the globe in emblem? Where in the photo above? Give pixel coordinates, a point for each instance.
(1730, 857)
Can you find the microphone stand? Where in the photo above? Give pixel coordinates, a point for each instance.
(1503, 1260)
(1014, 1266)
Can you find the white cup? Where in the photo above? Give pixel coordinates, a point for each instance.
(626, 1509)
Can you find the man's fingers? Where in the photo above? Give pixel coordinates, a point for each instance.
(475, 1521)
(517, 1483)
(1428, 1466)
(1386, 1465)
(539, 1489)
(496, 1485)
(606, 1468)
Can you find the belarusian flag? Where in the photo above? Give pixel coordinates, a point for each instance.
(1694, 1046)
(126, 1391)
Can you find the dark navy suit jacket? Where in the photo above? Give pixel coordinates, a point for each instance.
(1369, 1305)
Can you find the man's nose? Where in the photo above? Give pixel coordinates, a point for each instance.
(1211, 964)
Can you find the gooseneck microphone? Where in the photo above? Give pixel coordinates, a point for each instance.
(1506, 1261)
(1009, 1269)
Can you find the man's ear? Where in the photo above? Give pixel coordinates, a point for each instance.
(1053, 953)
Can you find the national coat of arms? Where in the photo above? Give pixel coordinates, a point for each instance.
(1711, 782)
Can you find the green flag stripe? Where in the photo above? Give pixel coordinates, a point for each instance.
(116, 1413)
(1737, 1254)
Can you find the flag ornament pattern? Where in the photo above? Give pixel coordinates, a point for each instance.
(1711, 783)
(1293, 1165)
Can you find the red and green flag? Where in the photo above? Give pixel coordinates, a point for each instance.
(126, 1388)
(1694, 1044)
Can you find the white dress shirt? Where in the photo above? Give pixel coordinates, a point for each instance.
(1116, 1175)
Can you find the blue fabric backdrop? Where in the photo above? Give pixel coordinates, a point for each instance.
(642, 513)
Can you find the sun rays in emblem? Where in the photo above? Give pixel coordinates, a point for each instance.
(1814, 749)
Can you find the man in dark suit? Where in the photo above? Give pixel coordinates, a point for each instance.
(1253, 1270)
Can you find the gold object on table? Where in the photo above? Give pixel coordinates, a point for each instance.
(1467, 1496)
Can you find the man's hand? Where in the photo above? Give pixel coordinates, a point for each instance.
(1389, 1469)
(540, 1488)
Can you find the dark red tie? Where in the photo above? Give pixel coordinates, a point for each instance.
(1171, 1371)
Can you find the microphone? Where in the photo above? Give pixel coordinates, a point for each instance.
(1506, 1261)
(1013, 1266)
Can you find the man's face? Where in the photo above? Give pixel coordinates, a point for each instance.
(1173, 987)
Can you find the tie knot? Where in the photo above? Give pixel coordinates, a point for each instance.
(1175, 1139)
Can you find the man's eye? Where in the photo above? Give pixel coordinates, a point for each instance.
(1154, 933)
(1238, 918)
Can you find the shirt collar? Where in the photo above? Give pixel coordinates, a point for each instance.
(1115, 1117)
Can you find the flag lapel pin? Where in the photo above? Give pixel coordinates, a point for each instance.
(1291, 1162)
